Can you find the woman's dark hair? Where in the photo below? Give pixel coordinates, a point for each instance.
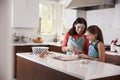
(94, 29)
(72, 31)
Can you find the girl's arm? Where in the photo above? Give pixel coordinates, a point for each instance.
(101, 51)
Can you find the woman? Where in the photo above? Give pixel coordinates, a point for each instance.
(75, 41)
(96, 49)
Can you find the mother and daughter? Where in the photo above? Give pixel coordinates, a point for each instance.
(86, 42)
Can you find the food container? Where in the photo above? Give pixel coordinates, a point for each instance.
(118, 48)
(38, 50)
(24, 39)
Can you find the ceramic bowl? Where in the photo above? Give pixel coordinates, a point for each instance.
(38, 50)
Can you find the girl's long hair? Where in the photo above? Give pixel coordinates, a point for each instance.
(94, 29)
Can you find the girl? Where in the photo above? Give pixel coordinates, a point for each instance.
(75, 41)
(96, 49)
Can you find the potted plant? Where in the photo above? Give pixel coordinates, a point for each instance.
(55, 38)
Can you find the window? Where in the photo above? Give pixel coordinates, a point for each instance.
(52, 18)
(46, 15)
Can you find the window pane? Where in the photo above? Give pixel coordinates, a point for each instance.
(46, 26)
(46, 15)
(46, 11)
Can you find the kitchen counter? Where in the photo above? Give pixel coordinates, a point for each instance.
(92, 70)
(44, 43)
(112, 53)
(26, 47)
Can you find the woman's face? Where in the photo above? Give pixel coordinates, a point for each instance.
(79, 28)
(90, 36)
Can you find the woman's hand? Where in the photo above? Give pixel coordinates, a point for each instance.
(74, 50)
(77, 51)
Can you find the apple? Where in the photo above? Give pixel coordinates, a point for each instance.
(42, 55)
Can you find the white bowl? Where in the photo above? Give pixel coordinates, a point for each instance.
(38, 50)
(84, 61)
(118, 49)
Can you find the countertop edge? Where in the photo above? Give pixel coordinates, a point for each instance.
(44, 43)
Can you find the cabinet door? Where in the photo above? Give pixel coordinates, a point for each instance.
(26, 13)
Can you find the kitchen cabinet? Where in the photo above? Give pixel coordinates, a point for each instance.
(36, 71)
(26, 13)
(112, 59)
(20, 49)
(27, 48)
(35, 68)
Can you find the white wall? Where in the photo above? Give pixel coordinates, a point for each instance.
(81, 13)
(107, 20)
(6, 56)
(71, 16)
(117, 14)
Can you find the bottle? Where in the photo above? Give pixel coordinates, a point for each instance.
(113, 44)
(112, 47)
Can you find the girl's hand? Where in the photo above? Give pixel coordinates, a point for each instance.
(83, 56)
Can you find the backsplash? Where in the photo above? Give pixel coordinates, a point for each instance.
(31, 33)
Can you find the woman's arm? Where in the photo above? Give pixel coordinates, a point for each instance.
(65, 41)
(64, 45)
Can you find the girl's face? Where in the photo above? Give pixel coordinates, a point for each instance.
(79, 28)
(90, 36)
